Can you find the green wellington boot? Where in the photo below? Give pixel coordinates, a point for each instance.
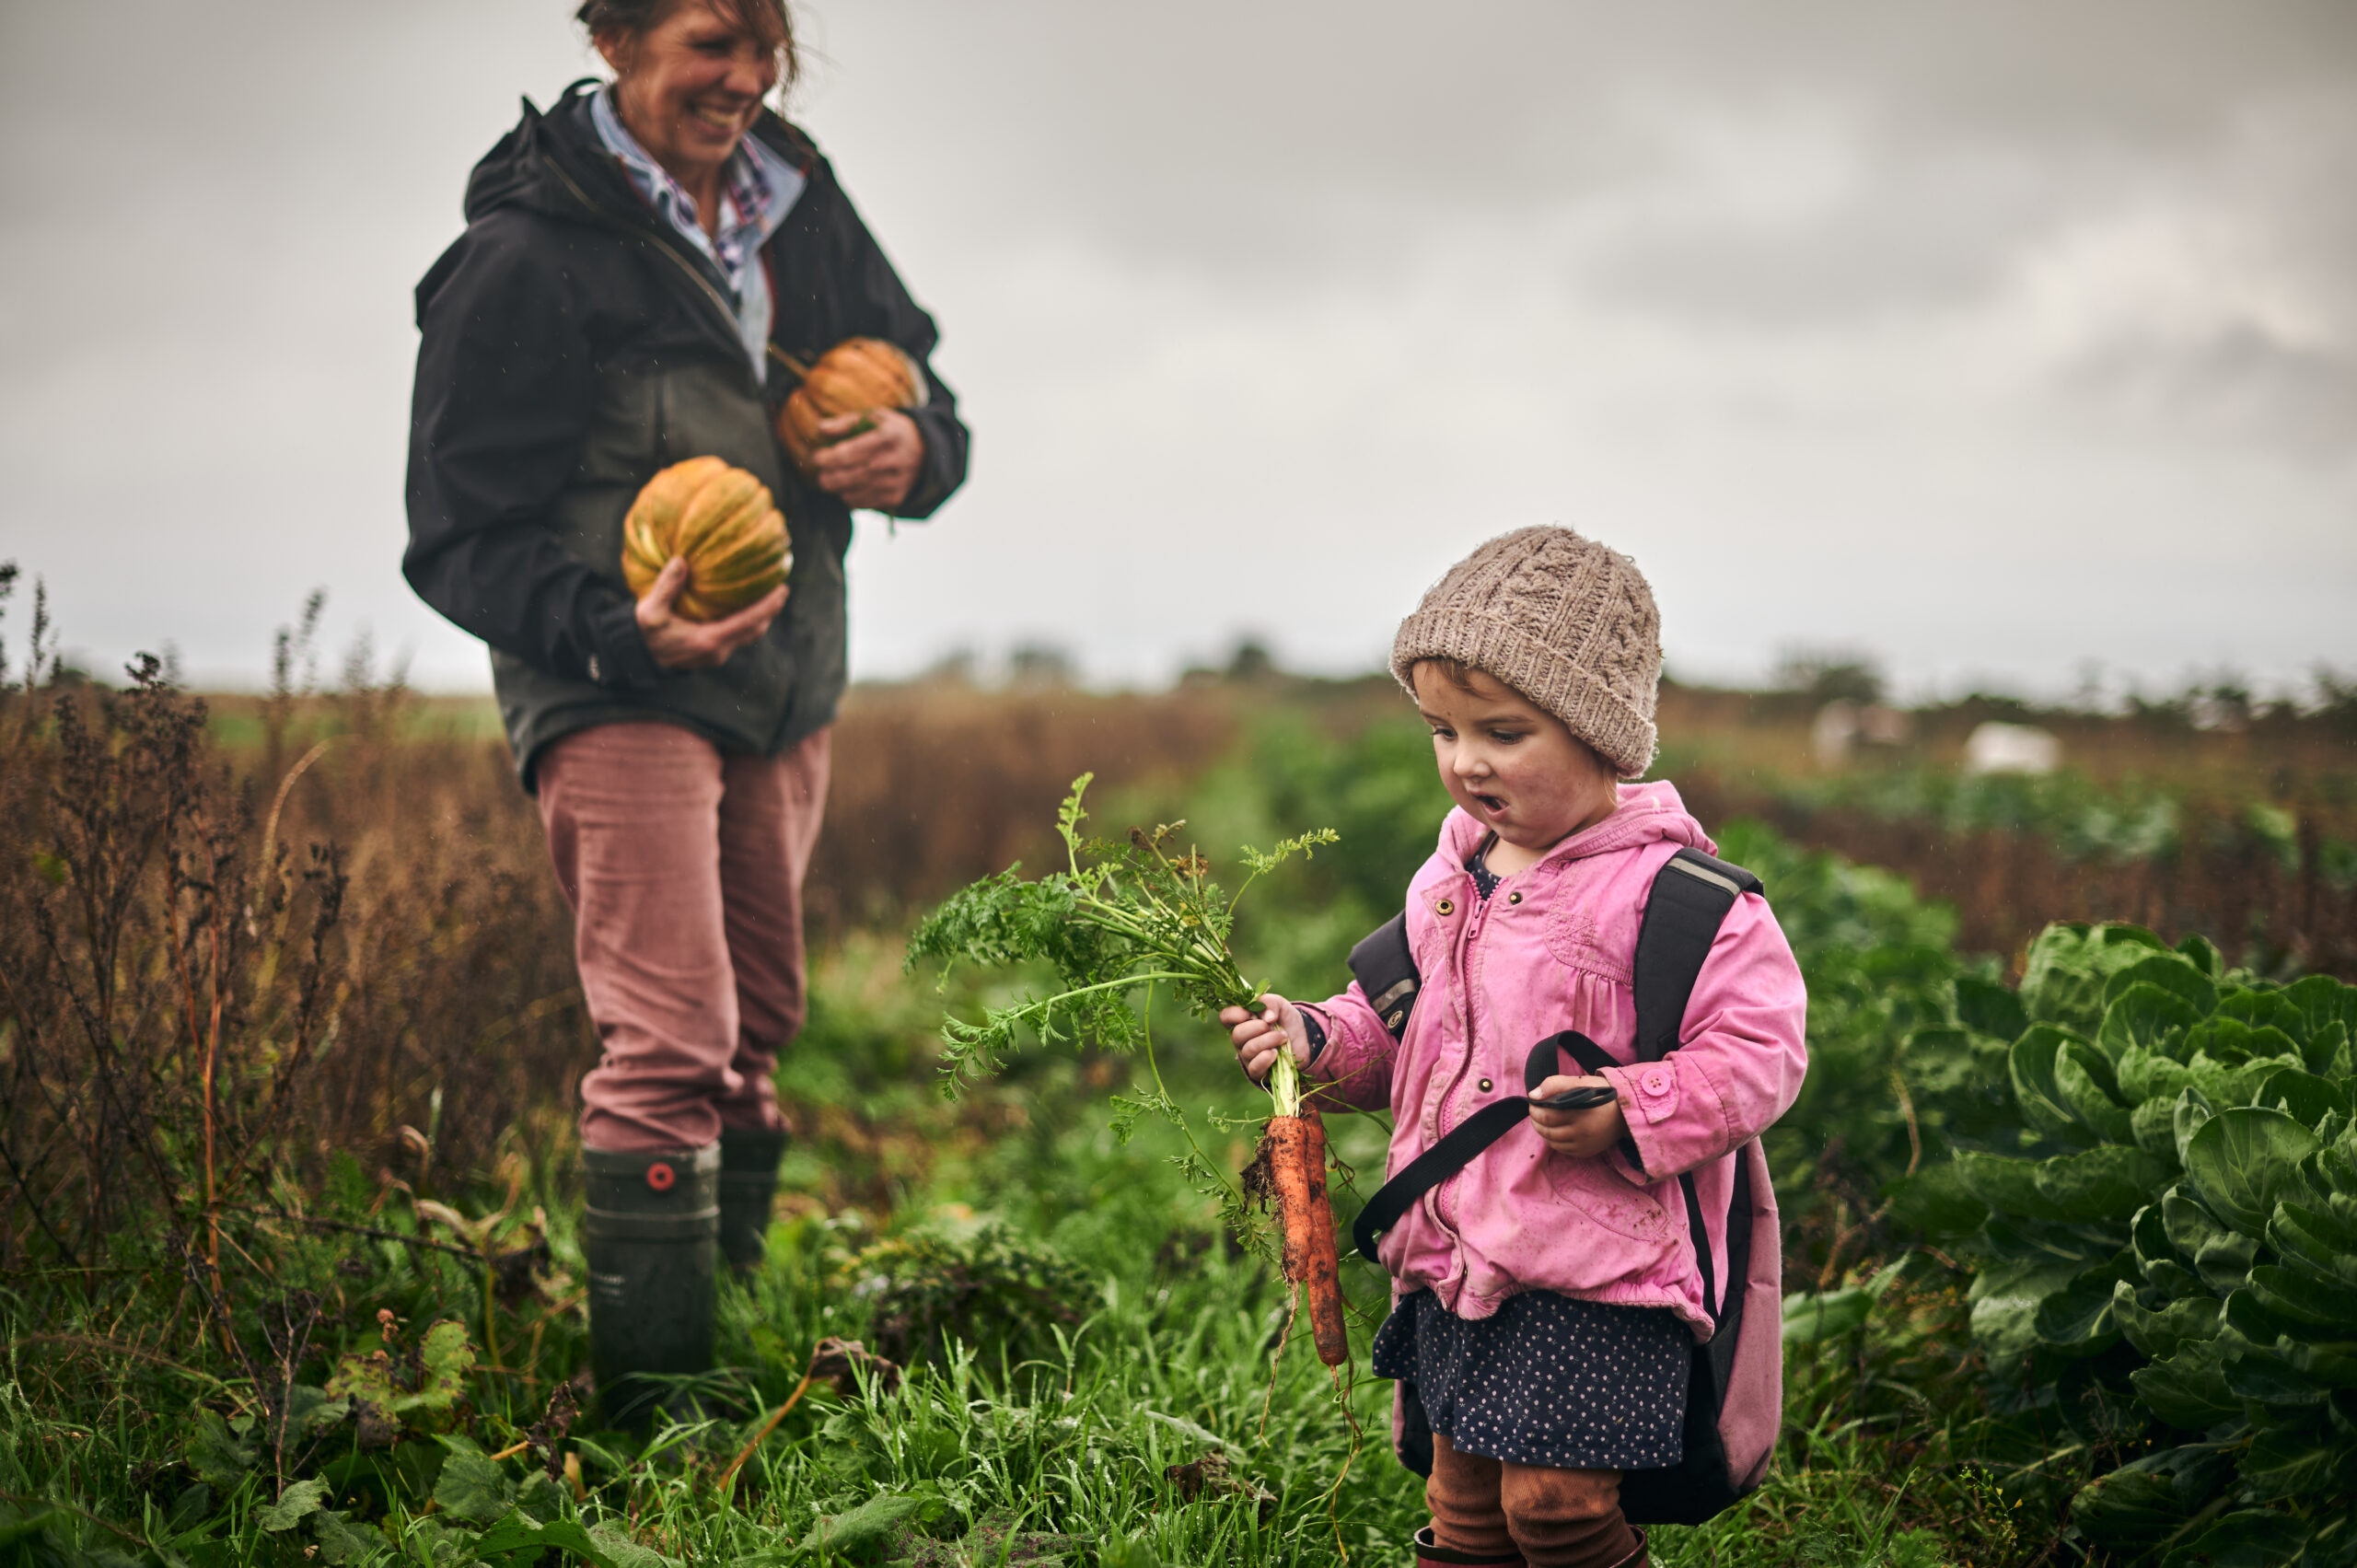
(748, 1159)
(650, 1233)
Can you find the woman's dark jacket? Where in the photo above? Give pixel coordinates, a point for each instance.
(573, 345)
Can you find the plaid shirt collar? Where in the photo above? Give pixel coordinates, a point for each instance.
(759, 188)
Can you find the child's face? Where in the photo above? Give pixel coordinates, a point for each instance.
(1514, 767)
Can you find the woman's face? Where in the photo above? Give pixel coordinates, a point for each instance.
(690, 86)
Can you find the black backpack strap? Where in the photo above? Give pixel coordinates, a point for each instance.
(1691, 895)
(1469, 1137)
(1385, 969)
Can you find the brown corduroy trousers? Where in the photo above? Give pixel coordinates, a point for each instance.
(684, 866)
(1554, 1518)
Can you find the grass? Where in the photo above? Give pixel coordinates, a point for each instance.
(1047, 1433)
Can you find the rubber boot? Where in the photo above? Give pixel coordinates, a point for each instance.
(1430, 1554)
(749, 1157)
(650, 1236)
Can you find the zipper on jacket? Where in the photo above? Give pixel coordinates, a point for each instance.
(694, 272)
(1446, 1193)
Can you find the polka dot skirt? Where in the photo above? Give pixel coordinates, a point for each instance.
(1549, 1380)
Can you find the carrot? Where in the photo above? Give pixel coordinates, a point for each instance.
(1297, 1171)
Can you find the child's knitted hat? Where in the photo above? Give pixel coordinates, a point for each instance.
(1563, 620)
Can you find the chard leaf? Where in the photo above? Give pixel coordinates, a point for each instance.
(2085, 1077)
(2146, 1017)
(2303, 1095)
(2031, 1065)
(2221, 1257)
(2149, 1078)
(2330, 1362)
(2189, 1388)
(2004, 1310)
(2077, 1319)
(2264, 1009)
(2202, 954)
(2150, 1498)
(2247, 1538)
(2293, 1463)
(2300, 1297)
(2315, 1241)
(2107, 1183)
(2152, 1127)
(1988, 1009)
(2157, 1331)
(2192, 1108)
(2323, 1005)
(2069, 964)
(2244, 1161)
(2171, 973)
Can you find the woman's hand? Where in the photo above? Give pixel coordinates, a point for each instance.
(1582, 1135)
(874, 469)
(1260, 1036)
(677, 643)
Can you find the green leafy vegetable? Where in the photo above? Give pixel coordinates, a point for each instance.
(1119, 918)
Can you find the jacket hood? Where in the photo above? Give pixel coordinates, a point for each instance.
(522, 169)
(1648, 813)
(533, 163)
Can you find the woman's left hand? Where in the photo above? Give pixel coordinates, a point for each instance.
(1582, 1135)
(875, 468)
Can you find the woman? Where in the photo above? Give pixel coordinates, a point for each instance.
(639, 265)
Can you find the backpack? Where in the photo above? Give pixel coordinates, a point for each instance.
(1734, 1393)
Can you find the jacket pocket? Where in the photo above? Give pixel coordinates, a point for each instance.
(1604, 1195)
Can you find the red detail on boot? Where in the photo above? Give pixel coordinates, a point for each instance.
(661, 1177)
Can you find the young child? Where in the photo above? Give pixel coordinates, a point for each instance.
(1546, 1298)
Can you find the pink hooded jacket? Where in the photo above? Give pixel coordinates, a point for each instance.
(1552, 948)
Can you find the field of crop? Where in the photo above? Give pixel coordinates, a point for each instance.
(289, 1028)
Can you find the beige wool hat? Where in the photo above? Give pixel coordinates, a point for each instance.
(1564, 621)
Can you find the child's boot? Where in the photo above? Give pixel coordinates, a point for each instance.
(1430, 1554)
(654, 1216)
(748, 1160)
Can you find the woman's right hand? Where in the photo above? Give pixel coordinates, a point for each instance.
(1260, 1036)
(677, 643)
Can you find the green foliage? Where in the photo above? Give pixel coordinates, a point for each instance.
(1123, 917)
(2168, 1262)
(930, 1288)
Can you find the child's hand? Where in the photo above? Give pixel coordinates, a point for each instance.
(1582, 1135)
(1260, 1036)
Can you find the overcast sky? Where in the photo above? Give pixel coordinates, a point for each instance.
(1990, 339)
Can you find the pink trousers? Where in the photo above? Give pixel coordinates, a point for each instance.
(683, 865)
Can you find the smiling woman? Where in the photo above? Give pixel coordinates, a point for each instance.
(645, 268)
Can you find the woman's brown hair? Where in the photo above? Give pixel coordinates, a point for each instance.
(768, 20)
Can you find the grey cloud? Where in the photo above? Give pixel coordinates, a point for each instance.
(2240, 381)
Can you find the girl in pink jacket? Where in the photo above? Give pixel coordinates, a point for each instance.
(1548, 1296)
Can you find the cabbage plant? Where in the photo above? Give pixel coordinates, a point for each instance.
(2172, 1262)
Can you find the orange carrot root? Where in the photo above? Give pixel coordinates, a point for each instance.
(1297, 1166)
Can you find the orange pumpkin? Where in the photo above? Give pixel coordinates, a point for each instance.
(856, 376)
(722, 520)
